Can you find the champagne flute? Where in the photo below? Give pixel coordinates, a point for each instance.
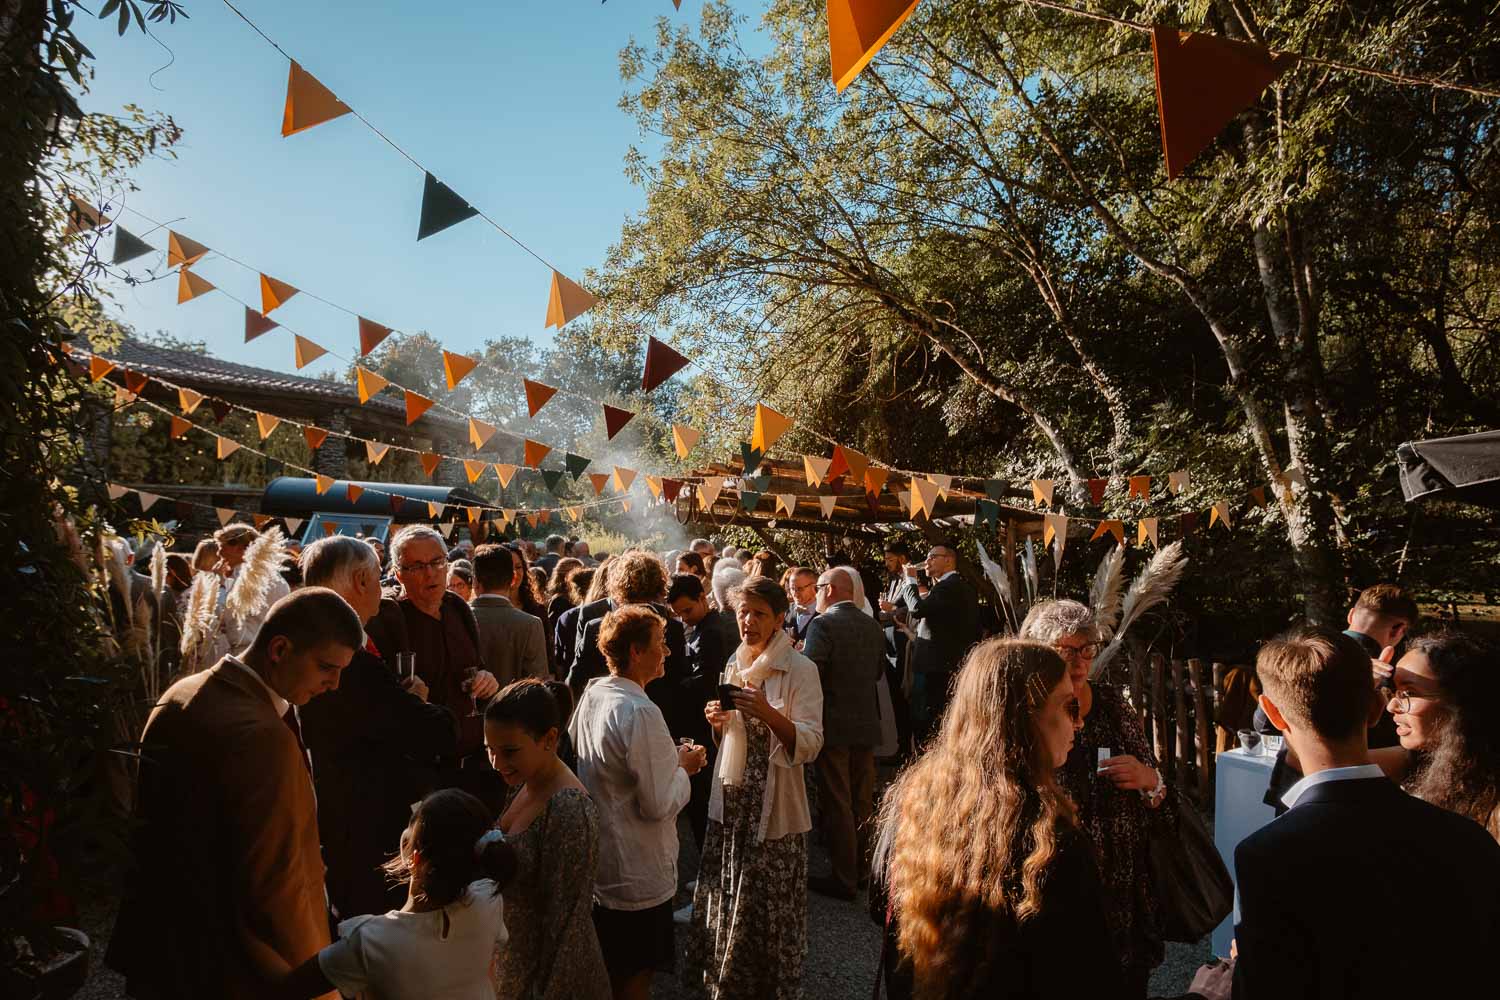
(471, 674)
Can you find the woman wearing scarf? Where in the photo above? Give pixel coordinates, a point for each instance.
(748, 935)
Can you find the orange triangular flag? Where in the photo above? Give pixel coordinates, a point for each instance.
(684, 439)
(434, 510)
(180, 427)
(575, 514)
(371, 334)
(181, 250)
(505, 473)
(1140, 486)
(566, 301)
(190, 285)
(924, 497)
(625, 505)
(875, 478)
(226, 447)
(314, 436)
(308, 102)
(1219, 512)
(1177, 481)
(324, 484)
(537, 395)
(273, 293)
(430, 462)
(535, 452)
(769, 426)
(330, 528)
(1116, 528)
(473, 468)
(856, 31)
(623, 479)
(83, 217)
(1041, 491)
(615, 420)
(653, 484)
(135, 382)
(375, 452)
(266, 423)
(850, 461)
(189, 400)
(99, 367)
(1055, 530)
(456, 366)
(479, 433)
(353, 492)
(416, 406)
(124, 396)
(600, 480)
(369, 383)
(816, 469)
(305, 351)
(1202, 82)
(261, 520)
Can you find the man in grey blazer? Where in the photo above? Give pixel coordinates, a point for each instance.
(511, 642)
(849, 648)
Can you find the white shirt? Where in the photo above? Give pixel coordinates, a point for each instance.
(406, 956)
(1331, 774)
(281, 703)
(628, 762)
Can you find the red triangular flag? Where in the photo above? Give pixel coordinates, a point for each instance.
(136, 382)
(315, 436)
(415, 406)
(371, 334)
(1097, 489)
(256, 324)
(537, 395)
(430, 462)
(535, 452)
(615, 419)
(661, 364)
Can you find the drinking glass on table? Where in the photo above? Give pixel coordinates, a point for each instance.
(471, 674)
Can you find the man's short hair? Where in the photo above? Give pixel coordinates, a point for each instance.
(333, 561)
(898, 548)
(797, 571)
(624, 629)
(693, 545)
(1319, 679)
(685, 585)
(694, 560)
(637, 578)
(311, 616)
(494, 567)
(1388, 601)
(235, 534)
(409, 534)
(555, 543)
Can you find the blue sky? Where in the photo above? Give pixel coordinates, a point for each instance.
(513, 104)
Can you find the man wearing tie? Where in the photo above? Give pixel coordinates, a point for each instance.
(947, 614)
(227, 890)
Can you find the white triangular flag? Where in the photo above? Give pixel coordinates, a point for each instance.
(709, 490)
(787, 502)
(116, 492)
(827, 503)
(148, 500)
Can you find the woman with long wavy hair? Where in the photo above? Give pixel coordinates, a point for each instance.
(993, 887)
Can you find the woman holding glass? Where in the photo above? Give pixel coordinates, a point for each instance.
(748, 935)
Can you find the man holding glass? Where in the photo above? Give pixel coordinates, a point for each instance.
(946, 611)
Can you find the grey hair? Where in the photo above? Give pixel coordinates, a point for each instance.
(332, 562)
(727, 577)
(411, 533)
(1050, 621)
(693, 545)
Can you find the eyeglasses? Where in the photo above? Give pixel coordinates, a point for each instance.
(824, 586)
(432, 566)
(1403, 701)
(1074, 711)
(1086, 651)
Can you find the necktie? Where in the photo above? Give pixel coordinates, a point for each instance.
(292, 723)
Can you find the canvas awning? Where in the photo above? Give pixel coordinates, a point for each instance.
(1466, 469)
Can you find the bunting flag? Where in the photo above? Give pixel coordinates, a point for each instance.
(354, 492)
(455, 367)
(135, 382)
(566, 301)
(1219, 512)
(575, 514)
(1177, 481)
(662, 362)
(324, 484)
(182, 251)
(769, 426)
(266, 423)
(944, 484)
(416, 405)
(371, 334)
(684, 439)
(1189, 523)
(1055, 529)
(430, 462)
(189, 400)
(148, 500)
(1116, 528)
(308, 102)
(128, 246)
(124, 396)
(653, 483)
(1146, 528)
(671, 489)
(751, 457)
(847, 461)
(1041, 491)
(435, 510)
(552, 477)
(305, 352)
(787, 503)
(480, 433)
(856, 31)
(815, 468)
(190, 285)
(1258, 495)
(116, 491)
(987, 512)
(875, 478)
(904, 499)
(749, 500)
(537, 395)
(505, 473)
(615, 420)
(623, 479)
(1097, 489)
(330, 528)
(600, 480)
(826, 505)
(225, 447)
(221, 409)
(924, 497)
(256, 324)
(995, 489)
(1140, 487)
(575, 464)
(226, 514)
(535, 452)
(1202, 82)
(292, 524)
(83, 217)
(314, 436)
(375, 453)
(395, 503)
(473, 469)
(99, 367)
(441, 208)
(273, 293)
(447, 530)
(1295, 474)
(708, 492)
(179, 427)
(369, 383)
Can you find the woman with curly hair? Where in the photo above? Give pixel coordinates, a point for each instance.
(992, 884)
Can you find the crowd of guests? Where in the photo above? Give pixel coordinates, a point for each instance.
(459, 772)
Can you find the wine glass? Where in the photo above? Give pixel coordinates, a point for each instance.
(471, 674)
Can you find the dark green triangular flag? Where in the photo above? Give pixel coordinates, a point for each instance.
(761, 482)
(441, 208)
(749, 499)
(576, 464)
(128, 246)
(751, 457)
(994, 489)
(552, 477)
(986, 512)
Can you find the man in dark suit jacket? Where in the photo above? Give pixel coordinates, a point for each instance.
(375, 743)
(849, 648)
(947, 616)
(1359, 890)
(226, 895)
(708, 648)
(802, 588)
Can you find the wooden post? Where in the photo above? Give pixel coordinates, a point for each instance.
(1140, 697)
(1184, 727)
(1163, 734)
(1205, 733)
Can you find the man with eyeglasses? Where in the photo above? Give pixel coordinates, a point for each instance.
(947, 616)
(802, 588)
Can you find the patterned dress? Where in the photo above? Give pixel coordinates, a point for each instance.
(553, 953)
(1119, 822)
(748, 937)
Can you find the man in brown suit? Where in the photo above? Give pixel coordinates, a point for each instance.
(227, 893)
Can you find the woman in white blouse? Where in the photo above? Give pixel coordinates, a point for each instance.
(638, 779)
(748, 935)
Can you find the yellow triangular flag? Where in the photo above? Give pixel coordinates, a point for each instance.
(455, 367)
(816, 469)
(623, 479)
(369, 383)
(1041, 491)
(625, 505)
(473, 469)
(324, 484)
(653, 483)
(479, 433)
(875, 478)
(566, 301)
(505, 473)
(769, 426)
(273, 293)
(226, 447)
(684, 438)
(189, 400)
(944, 484)
(266, 423)
(305, 351)
(190, 285)
(827, 504)
(375, 452)
(1146, 528)
(575, 514)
